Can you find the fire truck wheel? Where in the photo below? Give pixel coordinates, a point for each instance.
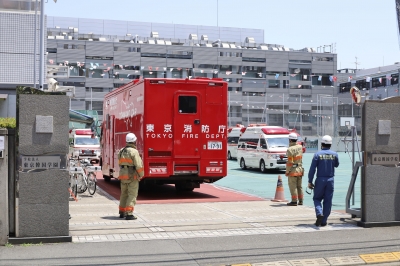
(242, 164)
(107, 178)
(229, 155)
(262, 166)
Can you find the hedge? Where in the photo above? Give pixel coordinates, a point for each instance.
(8, 122)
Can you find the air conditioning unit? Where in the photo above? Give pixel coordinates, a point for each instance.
(193, 37)
(249, 40)
(154, 34)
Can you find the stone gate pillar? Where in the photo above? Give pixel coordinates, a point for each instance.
(42, 205)
(380, 179)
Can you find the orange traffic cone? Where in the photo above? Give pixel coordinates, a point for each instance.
(279, 194)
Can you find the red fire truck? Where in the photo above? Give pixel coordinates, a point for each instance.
(181, 129)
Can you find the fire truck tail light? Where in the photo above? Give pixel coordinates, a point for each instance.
(211, 170)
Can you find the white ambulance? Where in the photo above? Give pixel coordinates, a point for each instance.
(84, 144)
(263, 147)
(233, 140)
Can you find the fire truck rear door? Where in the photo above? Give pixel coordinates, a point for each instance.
(187, 124)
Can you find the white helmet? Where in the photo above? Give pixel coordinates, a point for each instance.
(130, 137)
(326, 139)
(293, 136)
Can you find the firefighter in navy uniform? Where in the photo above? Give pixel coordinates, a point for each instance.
(130, 173)
(295, 170)
(325, 161)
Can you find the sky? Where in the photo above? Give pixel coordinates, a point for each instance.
(362, 31)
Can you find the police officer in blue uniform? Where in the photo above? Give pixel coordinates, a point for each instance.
(324, 161)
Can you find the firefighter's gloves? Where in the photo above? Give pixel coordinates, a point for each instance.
(287, 174)
(310, 185)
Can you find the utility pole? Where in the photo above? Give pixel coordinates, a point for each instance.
(357, 63)
(283, 109)
(301, 119)
(41, 42)
(217, 13)
(34, 47)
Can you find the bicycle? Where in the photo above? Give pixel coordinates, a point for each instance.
(83, 177)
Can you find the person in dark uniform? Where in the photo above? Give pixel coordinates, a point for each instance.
(324, 161)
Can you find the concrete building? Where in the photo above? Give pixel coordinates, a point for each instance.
(268, 83)
(373, 83)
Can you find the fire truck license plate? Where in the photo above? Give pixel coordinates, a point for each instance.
(215, 145)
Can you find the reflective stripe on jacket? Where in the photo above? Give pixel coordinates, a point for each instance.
(294, 164)
(130, 163)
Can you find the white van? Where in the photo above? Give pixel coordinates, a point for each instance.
(84, 144)
(233, 140)
(263, 147)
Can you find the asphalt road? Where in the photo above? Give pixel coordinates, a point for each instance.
(208, 251)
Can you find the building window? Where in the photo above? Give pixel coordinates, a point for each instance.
(302, 87)
(273, 83)
(253, 59)
(321, 79)
(76, 69)
(299, 62)
(122, 49)
(156, 55)
(344, 87)
(302, 74)
(285, 84)
(362, 84)
(253, 72)
(379, 82)
(126, 67)
(251, 93)
(276, 74)
(99, 68)
(179, 54)
(51, 50)
(395, 79)
(205, 66)
(95, 105)
(322, 58)
(71, 83)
